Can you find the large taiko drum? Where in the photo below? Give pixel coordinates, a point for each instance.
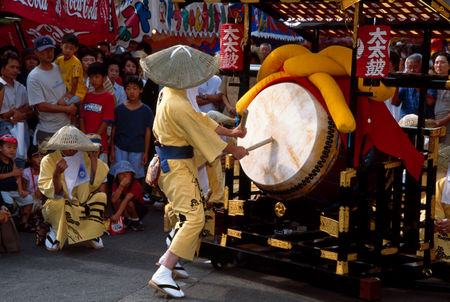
(306, 142)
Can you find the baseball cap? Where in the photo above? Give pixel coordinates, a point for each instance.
(43, 42)
(121, 167)
(8, 138)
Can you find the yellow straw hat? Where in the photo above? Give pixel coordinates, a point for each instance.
(180, 67)
(69, 138)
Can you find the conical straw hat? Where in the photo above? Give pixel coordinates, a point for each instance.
(180, 67)
(69, 138)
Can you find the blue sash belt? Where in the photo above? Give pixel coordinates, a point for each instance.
(173, 152)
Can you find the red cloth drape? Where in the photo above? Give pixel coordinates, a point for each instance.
(382, 131)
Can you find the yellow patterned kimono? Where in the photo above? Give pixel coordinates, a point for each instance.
(177, 124)
(442, 211)
(79, 218)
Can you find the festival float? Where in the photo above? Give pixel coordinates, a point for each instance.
(334, 191)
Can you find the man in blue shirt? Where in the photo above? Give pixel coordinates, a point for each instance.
(408, 98)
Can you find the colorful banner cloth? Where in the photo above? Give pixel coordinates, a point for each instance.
(264, 26)
(138, 18)
(84, 15)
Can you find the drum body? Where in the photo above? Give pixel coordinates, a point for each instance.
(306, 142)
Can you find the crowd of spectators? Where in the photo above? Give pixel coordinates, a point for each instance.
(52, 86)
(107, 96)
(103, 94)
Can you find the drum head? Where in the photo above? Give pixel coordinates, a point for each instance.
(299, 125)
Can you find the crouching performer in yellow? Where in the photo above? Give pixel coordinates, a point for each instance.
(180, 130)
(70, 178)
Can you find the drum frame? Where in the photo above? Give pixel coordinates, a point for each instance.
(373, 234)
(349, 252)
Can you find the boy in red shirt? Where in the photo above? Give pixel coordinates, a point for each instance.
(97, 110)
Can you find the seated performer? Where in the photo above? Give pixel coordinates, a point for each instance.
(183, 132)
(70, 178)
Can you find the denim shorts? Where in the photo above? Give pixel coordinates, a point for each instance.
(134, 158)
(10, 196)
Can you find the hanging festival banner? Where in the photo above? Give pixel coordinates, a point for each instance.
(138, 18)
(69, 15)
(373, 51)
(264, 26)
(232, 46)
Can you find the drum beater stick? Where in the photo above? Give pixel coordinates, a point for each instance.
(243, 120)
(260, 144)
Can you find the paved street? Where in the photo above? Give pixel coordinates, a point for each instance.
(121, 270)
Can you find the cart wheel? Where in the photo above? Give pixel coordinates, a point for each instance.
(218, 264)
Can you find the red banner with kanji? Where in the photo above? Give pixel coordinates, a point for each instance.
(88, 16)
(373, 51)
(231, 46)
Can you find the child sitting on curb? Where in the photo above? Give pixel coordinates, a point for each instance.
(11, 182)
(30, 178)
(126, 196)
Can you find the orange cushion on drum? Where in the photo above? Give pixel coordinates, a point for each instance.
(380, 93)
(306, 64)
(335, 100)
(274, 61)
(342, 55)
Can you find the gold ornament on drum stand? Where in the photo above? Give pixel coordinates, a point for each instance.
(280, 209)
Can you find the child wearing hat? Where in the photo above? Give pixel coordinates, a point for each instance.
(11, 188)
(126, 196)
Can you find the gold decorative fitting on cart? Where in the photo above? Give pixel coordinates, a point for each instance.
(434, 157)
(223, 240)
(344, 216)
(226, 198)
(279, 243)
(342, 267)
(389, 251)
(236, 208)
(372, 225)
(229, 161)
(279, 209)
(392, 164)
(334, 256)
(329, 226)
(234, 233)
(346, 177)
(424, 246)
